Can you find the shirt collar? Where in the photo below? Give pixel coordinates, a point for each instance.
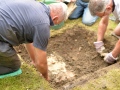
(51, 21)
(47, 10)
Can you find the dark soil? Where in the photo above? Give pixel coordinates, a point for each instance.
(71, 55)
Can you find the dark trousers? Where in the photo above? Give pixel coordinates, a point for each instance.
(9, 61)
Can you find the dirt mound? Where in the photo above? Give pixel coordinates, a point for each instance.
(71, 55)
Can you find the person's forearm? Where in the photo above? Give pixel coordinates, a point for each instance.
(101, 32)
(116, 50)
(30, 50)
(43, 69)
(102, 28)
(41, 63)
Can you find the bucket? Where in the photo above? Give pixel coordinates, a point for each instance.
(58, 26)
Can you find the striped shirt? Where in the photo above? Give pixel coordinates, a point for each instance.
(25, 21)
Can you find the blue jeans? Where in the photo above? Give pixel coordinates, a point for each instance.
(82, 10)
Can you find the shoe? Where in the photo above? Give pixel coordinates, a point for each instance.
(18, 72)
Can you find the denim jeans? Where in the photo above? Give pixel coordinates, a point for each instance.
(82, 10)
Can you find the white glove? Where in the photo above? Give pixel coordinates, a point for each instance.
(110, 59)
(99, 46)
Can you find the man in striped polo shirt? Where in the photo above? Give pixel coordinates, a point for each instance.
(28, 22)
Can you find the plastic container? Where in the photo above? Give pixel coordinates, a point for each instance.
(58, 26)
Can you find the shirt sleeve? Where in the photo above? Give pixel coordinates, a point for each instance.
(41, 36)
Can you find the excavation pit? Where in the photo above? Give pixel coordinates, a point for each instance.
(72, 55)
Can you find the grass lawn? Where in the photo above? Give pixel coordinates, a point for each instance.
(28, 80)
(110, 81)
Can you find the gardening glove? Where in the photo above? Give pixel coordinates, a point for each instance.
(99, 45)
(110, 59)
(103, 54)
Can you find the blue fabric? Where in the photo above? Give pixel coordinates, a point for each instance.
(82, 10)
(19, 22)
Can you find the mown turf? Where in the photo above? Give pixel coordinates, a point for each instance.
(110, 81)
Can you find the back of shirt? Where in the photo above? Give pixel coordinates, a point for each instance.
(22, 20)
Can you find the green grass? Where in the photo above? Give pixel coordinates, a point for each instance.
(71, 23)
(110, 81)
(28, 80)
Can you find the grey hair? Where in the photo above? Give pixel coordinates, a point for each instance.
(64, 6)
(60, 9)
(97, 6)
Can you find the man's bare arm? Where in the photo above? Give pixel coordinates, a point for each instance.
(102, 28)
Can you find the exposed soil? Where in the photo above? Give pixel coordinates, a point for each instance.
(71, 55)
